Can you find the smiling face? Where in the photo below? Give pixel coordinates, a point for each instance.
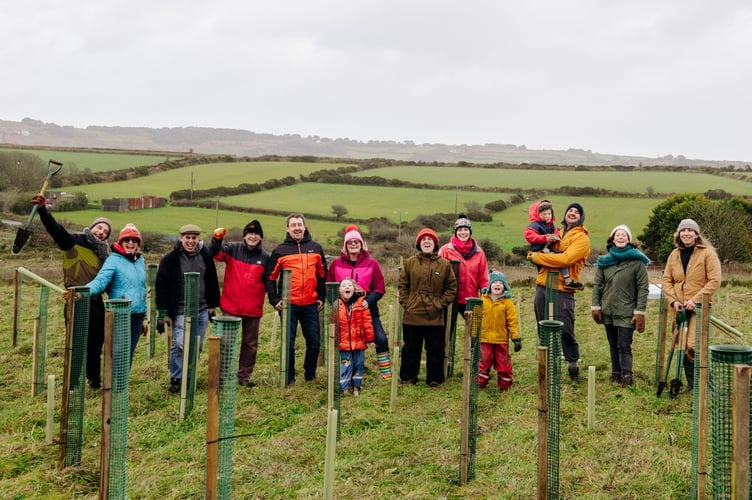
(346, 289)
(296, 228)
(189, 242)
(546, 215)
(463, 234)
(621, 238)
(688, 237)
(572, 217)
(353, 247)
(101, 231)
(251, 240)
(426, 244)
(130, 245)
(497, 288)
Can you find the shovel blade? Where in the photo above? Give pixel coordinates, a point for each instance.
(22, 236)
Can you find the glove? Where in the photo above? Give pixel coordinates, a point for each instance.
(598, 316)
(211, 313)
(639, 322)
(144, 328)
(39, 199)
(517, 345)
(220, 233)
(531, 256)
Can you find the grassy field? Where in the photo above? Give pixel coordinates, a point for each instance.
(630, 182)
(210, 175)
(639, 447)
(96, 161)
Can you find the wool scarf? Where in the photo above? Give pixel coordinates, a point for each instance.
(98, 246)
(617, 255)
(466, 249)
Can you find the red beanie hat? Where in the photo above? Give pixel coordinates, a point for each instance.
(129, 231)
(427, 232)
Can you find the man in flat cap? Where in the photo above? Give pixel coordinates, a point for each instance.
(189, 255)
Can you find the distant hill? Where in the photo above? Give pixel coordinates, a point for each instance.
(31, 132)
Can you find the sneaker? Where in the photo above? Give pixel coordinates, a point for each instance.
(574, 285)
(356, 391)
(174, 385)
(247, 383)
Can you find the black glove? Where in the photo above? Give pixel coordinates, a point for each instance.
(160, 325)
(517, 345)
(211, 313)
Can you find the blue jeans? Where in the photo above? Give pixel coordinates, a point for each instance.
(178, 333)
(308, 317)
(351, 369)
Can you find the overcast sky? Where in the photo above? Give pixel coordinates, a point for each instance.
(635, 77)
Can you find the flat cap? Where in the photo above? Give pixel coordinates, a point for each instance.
(190, 229)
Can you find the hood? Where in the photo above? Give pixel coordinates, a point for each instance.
(532, 212)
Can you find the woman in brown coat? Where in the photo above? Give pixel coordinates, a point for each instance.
(693, 268)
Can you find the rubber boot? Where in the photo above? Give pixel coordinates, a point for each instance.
(385, 365)
(689, 372)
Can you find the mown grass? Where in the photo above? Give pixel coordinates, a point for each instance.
(630, 182)
(205, 176)
(97, 161)
(640, 446)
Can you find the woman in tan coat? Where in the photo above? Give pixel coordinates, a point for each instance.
(692, 269)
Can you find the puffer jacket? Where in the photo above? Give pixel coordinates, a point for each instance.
(621, 291)
(355, 325)
(244, 287)
(703, 274)
(473, 271)
(426, 287)
(500, 320)
(535, 232)
(307, 262)
(575, 248)
(122, 277)
(365, 271)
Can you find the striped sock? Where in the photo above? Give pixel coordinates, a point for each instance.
(385, 365)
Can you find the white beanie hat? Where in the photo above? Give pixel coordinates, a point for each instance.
(624, 228)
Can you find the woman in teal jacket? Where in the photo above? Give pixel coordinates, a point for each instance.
(123, 276)
(620, 295)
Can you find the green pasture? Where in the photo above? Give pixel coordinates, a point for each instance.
(631, 182)
(96, 161)
(210, 175)
(167, 220)
(363, 202)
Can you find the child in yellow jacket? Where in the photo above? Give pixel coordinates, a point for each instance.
(500, 324)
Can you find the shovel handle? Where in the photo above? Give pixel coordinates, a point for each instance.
(50, 173)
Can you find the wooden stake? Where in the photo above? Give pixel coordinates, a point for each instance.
(212, 420)
(106, 437)
(702, 396)
(740, 433)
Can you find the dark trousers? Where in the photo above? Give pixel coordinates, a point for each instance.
(414, 336)
(137, 326)
(248, 347)
(380, 339)
(308, 317)
(620, 345)
(95, 340)
(564, 312)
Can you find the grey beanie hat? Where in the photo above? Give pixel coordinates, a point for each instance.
(688, 224)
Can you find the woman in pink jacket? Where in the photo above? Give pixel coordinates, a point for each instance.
(473, 275)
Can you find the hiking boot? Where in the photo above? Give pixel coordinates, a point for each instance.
(574, 372)
(573, 285)
(174, 385)
(616, 378)
(626, 381)
(433, 384)
(411, 381)
(247, 383)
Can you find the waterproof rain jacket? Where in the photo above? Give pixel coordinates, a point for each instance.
(473, 271)
(308, 264)
(535, 233)
(122, 277)
(244, 286)
(621, 291)
(355, 326)
(500, 320)
(575, 248)
(426, 287)
(365, 271)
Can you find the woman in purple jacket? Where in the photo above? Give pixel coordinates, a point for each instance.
(355, 262)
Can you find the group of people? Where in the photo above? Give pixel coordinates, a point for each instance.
(427, 285)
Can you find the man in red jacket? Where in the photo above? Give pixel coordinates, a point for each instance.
(305, 258)
(243, 289)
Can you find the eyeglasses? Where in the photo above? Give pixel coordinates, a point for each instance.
(131, 240)
(353, 242)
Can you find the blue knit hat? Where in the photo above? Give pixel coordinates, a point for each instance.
(495, 275)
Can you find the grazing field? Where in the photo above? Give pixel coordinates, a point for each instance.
(631, 182)
(207, 176)
(97, 161)
(640, 446)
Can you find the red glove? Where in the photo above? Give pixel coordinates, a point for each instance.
(220, 233)
(39, 199)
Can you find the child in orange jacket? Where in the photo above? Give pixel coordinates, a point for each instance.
(355, 334)
(500, 325)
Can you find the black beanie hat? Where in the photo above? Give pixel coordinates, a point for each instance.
(253, 227)
(579, 209)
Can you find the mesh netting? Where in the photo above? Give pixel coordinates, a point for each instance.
(190, 355)
(121, 355)
(333, 336)
(451, 339)
(226, 328)
(40, 343)
(475, 305)
(722, 361)
(285, 330)
(74, 416)
(549, 332)
(151, 276)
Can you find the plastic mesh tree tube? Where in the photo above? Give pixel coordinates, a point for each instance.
(469, 431)
(190, 356)
(151, 277)
(549, 332)
(121, 356)
(71, 420)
